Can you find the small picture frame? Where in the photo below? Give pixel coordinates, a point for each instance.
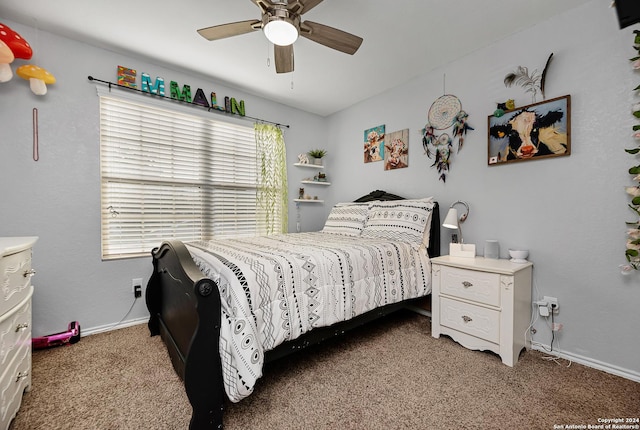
(536, 131)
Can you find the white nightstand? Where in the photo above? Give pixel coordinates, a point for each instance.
(482, 303)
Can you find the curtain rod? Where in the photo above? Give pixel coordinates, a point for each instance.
(209, 109)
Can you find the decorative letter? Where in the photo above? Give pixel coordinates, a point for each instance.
(237, 108)
(227, 104)
(200, 98)
(126, 77)
(184, 95)
(148, 87)
(214, 102)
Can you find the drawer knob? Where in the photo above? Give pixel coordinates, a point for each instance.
(22, 375)
(466, 319)
(22, 326)
(467, 284)
(29, 272)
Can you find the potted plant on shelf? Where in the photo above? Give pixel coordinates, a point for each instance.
(317, 155)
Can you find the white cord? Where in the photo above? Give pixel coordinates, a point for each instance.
(123, 318)
(534, 318)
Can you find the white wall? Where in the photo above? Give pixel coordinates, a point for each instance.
(58, 197)
(570, 212)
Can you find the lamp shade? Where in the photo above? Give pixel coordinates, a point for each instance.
(451, 220)
(281, 32)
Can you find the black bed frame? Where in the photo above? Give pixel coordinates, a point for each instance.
(184, 309)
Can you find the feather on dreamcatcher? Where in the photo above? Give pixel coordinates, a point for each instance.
(446, 112)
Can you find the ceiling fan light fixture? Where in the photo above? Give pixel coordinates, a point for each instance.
(280, 31)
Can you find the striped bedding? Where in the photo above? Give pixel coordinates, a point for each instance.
(276, 288)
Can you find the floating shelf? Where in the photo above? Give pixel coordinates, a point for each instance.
(313, 166)
(316, 182)
(308, 201)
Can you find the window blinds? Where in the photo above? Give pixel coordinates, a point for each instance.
(168, 174)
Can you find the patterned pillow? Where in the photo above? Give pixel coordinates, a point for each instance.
(401, 220)
(347, 219)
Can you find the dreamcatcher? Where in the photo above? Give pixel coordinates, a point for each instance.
(445, 113)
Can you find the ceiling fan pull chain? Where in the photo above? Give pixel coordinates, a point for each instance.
(268, 54)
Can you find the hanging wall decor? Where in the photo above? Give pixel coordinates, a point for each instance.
(632, 251)
(396, 150)
(540, 130)
(444, 114)
(374, 144)
(532, 83)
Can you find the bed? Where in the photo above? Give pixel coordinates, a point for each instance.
(225, 308)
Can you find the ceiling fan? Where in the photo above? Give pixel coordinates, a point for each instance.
(282, 25)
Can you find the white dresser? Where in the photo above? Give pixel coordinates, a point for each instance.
(15, 324)
(482, 303)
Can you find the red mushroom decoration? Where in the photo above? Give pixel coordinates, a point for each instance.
(6, 58)
(15, 42)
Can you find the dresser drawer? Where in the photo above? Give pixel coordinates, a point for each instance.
(13, 381)
(474, 320)
(15, 279)
(481, 287)
(15, 330)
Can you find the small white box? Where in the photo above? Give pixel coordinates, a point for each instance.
(462, 250)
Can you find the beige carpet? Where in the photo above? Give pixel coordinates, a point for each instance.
(388, 375)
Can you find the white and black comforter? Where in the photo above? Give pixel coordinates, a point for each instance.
(276, 288)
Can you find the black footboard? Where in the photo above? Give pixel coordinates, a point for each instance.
(185, 310)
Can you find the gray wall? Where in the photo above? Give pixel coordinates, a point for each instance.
(570, 212)
(58, 197)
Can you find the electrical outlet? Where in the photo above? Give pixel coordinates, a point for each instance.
(136, 284)
(553, 303)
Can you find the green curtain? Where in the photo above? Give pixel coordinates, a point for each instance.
(272, 179)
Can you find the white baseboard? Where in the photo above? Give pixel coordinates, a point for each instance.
(589, 362)
(110, 327)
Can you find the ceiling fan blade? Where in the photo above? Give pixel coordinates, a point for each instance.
(284, 58)
(264, 5)
(232, 29)
(301, 7)
(330, 37)
(309, 4)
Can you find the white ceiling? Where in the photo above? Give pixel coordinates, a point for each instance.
(402, 39)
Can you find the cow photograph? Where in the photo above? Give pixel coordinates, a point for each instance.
(539, 130)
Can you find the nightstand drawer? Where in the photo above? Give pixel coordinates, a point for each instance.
(474, 320)
(481, 287)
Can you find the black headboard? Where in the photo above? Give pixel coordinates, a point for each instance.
(434, 237)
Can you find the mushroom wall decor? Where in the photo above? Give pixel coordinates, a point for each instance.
(13, 46)
(38, 78)
(6, 58)
(15, 42)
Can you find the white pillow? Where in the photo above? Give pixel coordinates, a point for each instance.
(347, 219)
(400, 220)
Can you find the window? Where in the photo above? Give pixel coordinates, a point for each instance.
(172, 175)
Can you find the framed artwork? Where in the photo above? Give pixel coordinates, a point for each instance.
(374, 144)
(396, 150)
(539, 130)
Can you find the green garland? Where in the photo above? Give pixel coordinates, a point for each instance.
(632, 252)
(272, 181)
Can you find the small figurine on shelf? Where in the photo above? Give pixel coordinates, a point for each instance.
(322, 177)
(303, 159)
(301, 193)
